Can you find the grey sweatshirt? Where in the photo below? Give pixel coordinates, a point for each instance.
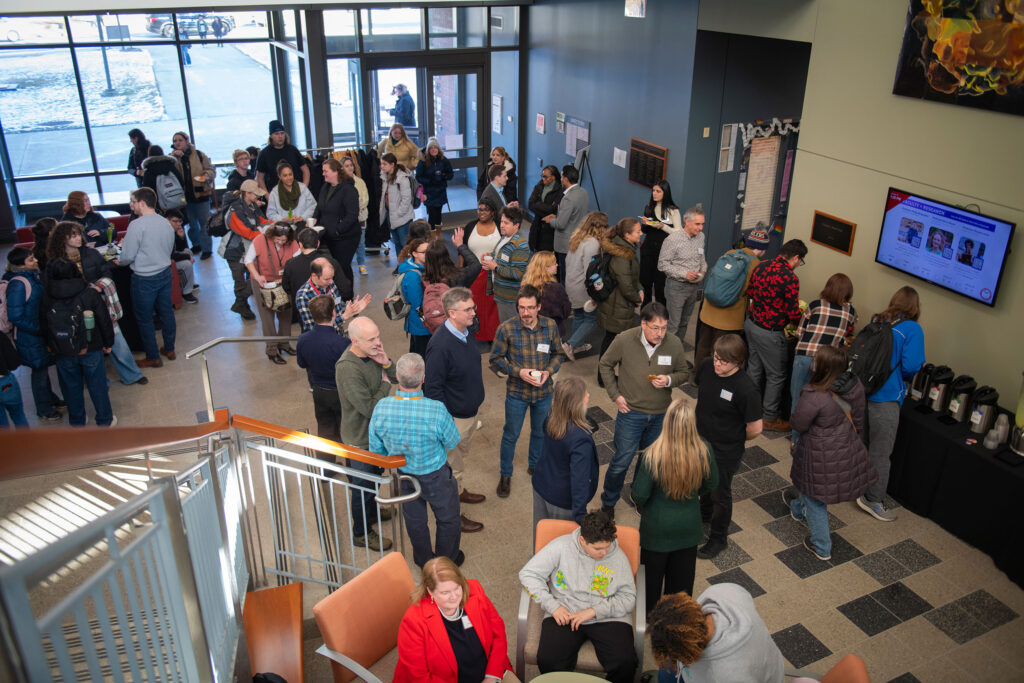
(741, 649)
(147, 245)
(561, 574)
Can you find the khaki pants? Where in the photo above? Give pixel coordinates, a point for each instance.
(457, 455)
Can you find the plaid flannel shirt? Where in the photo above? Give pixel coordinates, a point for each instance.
(517, 346)
(824, 325)
(414, 426)
(305, 295)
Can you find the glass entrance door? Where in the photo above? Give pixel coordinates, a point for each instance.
(395, 97)
(454, 118)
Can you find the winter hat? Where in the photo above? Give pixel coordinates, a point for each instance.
(276, 126)
(758, 237)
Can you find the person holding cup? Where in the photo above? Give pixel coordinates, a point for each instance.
(482, 237)
(265, 260)
(289, 200)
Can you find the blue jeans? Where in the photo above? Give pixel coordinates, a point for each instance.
(361, 249)
(515, 413)
(800, 377)
(399, 235)
(816, 514)
(583, 324)
(633, 430)
(439, 490)
(124, 361)
(10, 401)
(85, 371)
(198, 214)
(149, 293)
(42, 391)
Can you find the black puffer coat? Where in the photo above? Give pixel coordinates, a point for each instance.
(830, 462)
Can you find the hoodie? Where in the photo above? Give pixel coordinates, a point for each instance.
(561, 574)
(741, 649)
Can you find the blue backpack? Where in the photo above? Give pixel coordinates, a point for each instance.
(724, 283)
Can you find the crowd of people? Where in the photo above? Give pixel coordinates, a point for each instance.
(535, 293)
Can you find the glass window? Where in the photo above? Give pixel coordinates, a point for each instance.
(126, 89)
(54, 189)
(386, 101)
(231, 99)
(288, 27)
(118, 28)
(340, 31)
(296, 115)
(35, 131)
(504, 26)
(115, 188)
(346, 105)
(33, 30)
(452, 27)
(204, 25)
(387, 30)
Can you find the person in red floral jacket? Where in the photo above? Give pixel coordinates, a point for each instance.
(774, 293)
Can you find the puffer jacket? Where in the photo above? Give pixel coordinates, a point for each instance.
(396, 198)
(24, 315)
(434, 180)
(830, 462)
(412, 290)
(617, 313)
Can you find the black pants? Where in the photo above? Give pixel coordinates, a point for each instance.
(716, 506)
(434, 215)
(243, 288)
(609, 337)
(418, 343)
(327, 408)
(652, 280)
(343, 250)
(613, 644)
(676, 568)
(560, 260)
(706, 337)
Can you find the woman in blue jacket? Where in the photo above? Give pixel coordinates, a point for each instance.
(433, 173)
(24, 291)
(884, 405)
(565, 479)
(411, 270)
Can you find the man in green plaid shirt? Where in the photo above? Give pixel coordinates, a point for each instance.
(528, 349)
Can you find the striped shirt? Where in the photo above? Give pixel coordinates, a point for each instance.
(681, 253)
(824, 325)
(517, 346)
(417, 427)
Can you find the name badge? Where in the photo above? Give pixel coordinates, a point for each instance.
(700, 250)
(503, 257)
(466, 623)
(664, 360)
(543, 348)
(726, 394)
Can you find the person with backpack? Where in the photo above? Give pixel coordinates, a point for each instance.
(197, 170)
(774, 292)
(584, 245)
(10, 391)
(617, 313)
(884, 403)
(725, 293)
(828, 321)
(243, 217)
(683, 261)
(76, 325)
(162, 174)
(433, 172)
(23, 290)
(441, 274)
(396, 198)
(411, 272)
(542, 273)
(68, 241)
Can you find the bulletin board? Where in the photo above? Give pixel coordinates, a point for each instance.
(577, 135)
(647, 162)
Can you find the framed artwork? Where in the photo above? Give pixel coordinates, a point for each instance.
(832, 232)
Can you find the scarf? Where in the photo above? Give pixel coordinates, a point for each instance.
(394, 142)
(545, 190)
(289, 200)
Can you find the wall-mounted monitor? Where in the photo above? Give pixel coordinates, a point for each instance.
(959, 250)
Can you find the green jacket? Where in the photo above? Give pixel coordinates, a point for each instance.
(617, 313)
(667, 524)
(628, 353)
(359, 388)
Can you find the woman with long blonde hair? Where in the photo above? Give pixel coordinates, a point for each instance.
(676, 470)
(584, 245)
(542, 273)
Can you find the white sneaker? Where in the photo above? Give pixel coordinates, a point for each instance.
(113, 422)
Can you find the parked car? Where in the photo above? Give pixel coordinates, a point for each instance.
(162, 23)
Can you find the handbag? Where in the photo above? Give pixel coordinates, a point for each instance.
(275, 298)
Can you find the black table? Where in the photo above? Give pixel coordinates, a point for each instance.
(968, 490)
(122, 277)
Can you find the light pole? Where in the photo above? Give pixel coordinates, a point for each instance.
(109, 92)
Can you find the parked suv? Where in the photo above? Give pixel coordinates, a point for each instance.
(162, 23)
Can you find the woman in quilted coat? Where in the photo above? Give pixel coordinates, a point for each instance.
(830, 462)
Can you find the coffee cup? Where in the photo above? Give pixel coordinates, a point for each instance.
(536, 374)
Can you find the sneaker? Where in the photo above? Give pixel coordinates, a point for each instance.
(711, 549)
(52, 417)
(590, 306)
(373, 541)
(362, 270)
(568, 351)
(582, 348)
(788, 496)
(876, 510)
(191, 298)
(809, 546)
(113, 422)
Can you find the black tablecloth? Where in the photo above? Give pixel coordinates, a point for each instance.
(966, 489)
(122, 277)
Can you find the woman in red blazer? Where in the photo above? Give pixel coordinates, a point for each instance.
(451, 632)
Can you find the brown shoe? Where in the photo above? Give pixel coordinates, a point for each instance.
(777, 425)
(147, 363)
(469, 526)
(471, 498)
(171, 355)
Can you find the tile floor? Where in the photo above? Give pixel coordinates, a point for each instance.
(915, 602)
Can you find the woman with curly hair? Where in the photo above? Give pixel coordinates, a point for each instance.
(68, 241)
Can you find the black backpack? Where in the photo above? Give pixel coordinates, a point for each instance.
(66, 322)
(871, 356)
(217, 225)
(600, 282)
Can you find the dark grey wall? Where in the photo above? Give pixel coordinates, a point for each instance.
(736, 79)
(628, 77)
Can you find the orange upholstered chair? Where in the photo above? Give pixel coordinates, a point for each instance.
(359, 621)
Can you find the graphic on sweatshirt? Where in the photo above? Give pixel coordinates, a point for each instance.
(601, 580)
(560, 581)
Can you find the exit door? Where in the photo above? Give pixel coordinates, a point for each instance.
(455, 118)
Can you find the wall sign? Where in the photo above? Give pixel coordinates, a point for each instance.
(496, 114)
(832, 232)
(647, 162)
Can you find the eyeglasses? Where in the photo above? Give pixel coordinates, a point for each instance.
(801, 262)
(280, 230)
(656, 328)
(718, 359)
(468, 309)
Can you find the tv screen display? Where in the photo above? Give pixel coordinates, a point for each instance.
(960, 250)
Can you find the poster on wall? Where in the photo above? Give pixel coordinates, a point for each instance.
(496, 114)
(964, 52)
(636, 8)
(540, 124)
(577, 135)
(764, 163)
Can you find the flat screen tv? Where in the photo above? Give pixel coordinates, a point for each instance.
(956, 249)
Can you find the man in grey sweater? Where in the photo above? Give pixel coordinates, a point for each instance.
(584, 583)
(147, 248)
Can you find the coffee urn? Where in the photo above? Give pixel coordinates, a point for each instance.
(1017, 430)
(983, 414)
(960, 401)
(922, 380)
(939, 393)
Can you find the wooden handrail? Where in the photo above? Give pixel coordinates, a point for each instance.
(248, 424)
(32, 452)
